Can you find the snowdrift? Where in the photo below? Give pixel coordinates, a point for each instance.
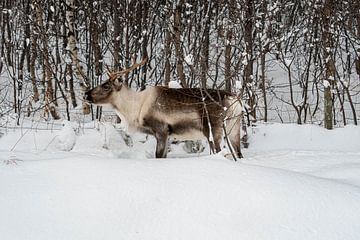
(296, 182)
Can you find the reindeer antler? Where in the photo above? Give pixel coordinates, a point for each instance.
(108, 70)
(117, 74)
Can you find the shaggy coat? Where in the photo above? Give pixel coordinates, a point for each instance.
(181, 114)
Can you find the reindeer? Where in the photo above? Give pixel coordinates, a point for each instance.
(179, 114)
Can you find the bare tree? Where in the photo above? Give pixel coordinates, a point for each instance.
(50, 100)
(52, 51)
(78, 70)
(328, 58)
(178, 43)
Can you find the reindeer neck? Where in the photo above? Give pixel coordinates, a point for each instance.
(128, 103)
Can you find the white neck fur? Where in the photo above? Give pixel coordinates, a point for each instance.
(127, 105)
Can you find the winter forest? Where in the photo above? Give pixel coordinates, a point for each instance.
(290, 61)
(72, 170)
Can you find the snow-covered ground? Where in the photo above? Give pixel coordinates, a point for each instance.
(296, 182)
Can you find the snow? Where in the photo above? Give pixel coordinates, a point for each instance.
(174, 84)
(189, 59)
(296, 182)
(67, 137)
(326, 83)
(288, 62)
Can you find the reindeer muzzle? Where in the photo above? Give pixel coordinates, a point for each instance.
(87, 97)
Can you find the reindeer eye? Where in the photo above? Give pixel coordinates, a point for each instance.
(106, 87)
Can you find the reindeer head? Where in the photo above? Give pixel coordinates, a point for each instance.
(104, 93)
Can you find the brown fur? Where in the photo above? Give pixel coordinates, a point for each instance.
(186, 113)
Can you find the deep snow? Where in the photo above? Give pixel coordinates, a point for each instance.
(296, 182)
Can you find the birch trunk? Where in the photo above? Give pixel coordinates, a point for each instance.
(178, 44)
(248, 72)
(204, 64)
(329, 80)
(50, 106)
(167, 49)
(228, 82)
(78, 71)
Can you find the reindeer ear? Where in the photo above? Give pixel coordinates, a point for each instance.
(118, 83)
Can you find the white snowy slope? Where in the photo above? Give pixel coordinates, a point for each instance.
(296, 182)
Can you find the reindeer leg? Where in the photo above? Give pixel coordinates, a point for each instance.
(161, 144)
(217, 134)
(215, 142)
(206, 132)
(234, 136)
(160, 130)
(235, 143)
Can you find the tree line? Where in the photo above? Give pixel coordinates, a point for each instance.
(290, 60)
